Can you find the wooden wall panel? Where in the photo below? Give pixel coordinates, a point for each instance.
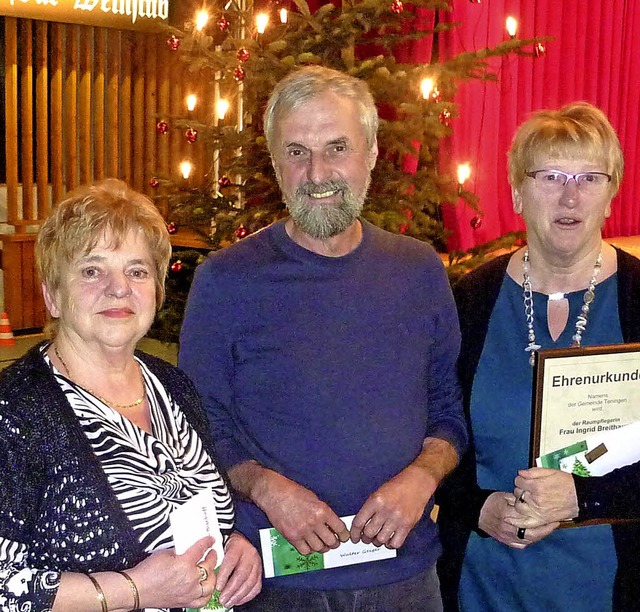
(56, 112)
(138, 110)
(99, 53)
(22, 296)
(85, 136)
(70, 128)
(82, 104)
(112, 125)
(11, 117)
(42, 120)
(151, 110)
(126, 111)
(26, 118)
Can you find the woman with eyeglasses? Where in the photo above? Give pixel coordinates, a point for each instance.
(565, 288)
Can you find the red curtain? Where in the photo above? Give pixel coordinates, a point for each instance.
(591, 57)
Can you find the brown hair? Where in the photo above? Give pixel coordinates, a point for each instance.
(85, 216)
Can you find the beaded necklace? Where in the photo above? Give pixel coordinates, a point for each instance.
(581, 319)
(102, 399)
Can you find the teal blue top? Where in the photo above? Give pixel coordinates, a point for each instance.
(571, 569)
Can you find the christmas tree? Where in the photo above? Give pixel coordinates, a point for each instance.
(579, 469)
(239, 60)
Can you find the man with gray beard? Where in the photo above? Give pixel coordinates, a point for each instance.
(324, 349)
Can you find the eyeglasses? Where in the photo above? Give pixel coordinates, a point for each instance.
(553, 181)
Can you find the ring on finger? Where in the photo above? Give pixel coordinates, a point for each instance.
(520, 533)
(204, 574)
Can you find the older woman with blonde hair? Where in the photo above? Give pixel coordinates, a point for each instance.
(100, 443)
(565, 288)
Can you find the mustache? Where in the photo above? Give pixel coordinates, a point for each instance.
(311, 188)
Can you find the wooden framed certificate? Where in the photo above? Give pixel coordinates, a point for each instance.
(583, 401)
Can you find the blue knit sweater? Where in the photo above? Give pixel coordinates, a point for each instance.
(331, 371)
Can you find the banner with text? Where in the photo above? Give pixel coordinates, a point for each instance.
(120, 14)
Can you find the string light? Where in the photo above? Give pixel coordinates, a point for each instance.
(222, 106)
(192, 100)
(512, 26)
(284, 15)
(464, 172)
(185, 169)
(201, 20)
(262, 19)
(426, 87)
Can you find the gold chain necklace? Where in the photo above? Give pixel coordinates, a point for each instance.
(102, 399)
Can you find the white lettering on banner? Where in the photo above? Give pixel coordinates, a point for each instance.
(85, 5)
(131, 9)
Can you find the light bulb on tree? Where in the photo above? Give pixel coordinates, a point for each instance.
(201, 20)
(262, 19)
(464, 172)
(512, 26)
(426, 87)
(192, 100)
(284, 15)
(185, 169)
(222, 106)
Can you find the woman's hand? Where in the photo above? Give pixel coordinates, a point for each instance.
(240, 574)
(549, 495)
(500, 520)
(167, 580)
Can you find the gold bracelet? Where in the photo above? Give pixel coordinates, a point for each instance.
(100, 593)
(134, 590)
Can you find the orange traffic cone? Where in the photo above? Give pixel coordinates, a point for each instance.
(6, 335)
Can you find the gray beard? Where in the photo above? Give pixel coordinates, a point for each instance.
(322, 221)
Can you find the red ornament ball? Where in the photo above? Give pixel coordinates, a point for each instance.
(539, 49)
(223, 24)
(243, 54)
(224, 181)
(445, 117)
(191, 135)
(176, 266)
(403, 228)
(241, 232)
(173, 42)
(476, 222)
(519, 242)
(397, 7)
(162, 127)
(239, 74)
(154, 182)
(172, 228)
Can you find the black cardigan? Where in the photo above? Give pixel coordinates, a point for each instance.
(616, 495)
(54, 495)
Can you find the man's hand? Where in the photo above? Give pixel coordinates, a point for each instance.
(391, 512)
(295, 511)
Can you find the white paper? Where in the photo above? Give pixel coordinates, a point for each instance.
(194, 520)
(347, 553)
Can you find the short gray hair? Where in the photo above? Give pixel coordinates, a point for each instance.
(303, 85)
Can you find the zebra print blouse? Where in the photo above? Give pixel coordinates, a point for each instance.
(150, 474)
